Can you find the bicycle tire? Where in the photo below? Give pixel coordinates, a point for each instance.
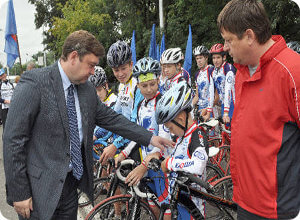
(106, 209)
(225, 160)
(213, 172)
(224, 189)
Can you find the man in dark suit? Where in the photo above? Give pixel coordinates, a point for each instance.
(48, 139)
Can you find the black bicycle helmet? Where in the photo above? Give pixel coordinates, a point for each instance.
(99, 78)
(118, 54)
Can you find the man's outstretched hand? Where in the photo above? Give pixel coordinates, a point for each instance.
(161, 143)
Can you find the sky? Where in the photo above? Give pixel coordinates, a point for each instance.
(30, 39)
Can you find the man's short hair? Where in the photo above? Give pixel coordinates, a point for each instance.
(239, 15)
(84, 43)
(30, 66)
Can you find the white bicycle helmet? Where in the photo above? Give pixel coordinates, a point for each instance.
(118, 54)
(175, 100)
(172, 55)
(146, 65)
(201, 50)
(99, 78)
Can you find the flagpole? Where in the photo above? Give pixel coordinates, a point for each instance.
(161, 16)
(19, 54)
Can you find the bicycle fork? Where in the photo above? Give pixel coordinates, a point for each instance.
(134, 208)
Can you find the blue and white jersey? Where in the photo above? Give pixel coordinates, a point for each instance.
(162, 85)
(146, 119)
(205, 88)
(189, 155)
(224, 80)
(128, 98)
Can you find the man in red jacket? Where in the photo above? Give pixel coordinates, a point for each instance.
(265, 145)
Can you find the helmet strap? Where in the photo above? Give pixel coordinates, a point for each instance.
(184, 128)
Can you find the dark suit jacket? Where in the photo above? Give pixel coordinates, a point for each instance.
(36, 138)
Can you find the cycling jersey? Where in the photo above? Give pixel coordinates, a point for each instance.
(128, 98)
(224, 79)
(146, 119)
(190, 155)
(205, 86)
(6, 92)
(186, 76)
(162, 85)
(110, 99)
(174, 80)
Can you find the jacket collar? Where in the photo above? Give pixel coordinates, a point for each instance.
(272, 52)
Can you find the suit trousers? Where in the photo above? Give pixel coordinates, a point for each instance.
(68, 203)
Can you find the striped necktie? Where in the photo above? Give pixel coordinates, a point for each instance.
(76, 157)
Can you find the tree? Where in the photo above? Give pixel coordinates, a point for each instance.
(46, 10)
(111, 20)
(50, 57)
(284, 17)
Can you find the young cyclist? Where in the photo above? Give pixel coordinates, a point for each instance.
(190, 153)
(224, 78)
(171, 61)
(147, 71)
(204, 96)
(99, 80)
(119, 59)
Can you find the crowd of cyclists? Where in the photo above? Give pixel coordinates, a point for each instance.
(159, 96)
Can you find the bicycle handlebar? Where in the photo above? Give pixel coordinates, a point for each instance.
(122, 178)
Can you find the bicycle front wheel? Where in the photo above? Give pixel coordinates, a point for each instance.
(119, 207)
(99, 188)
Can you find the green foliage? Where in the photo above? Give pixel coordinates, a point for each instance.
(111, 20)
(16, 69)
(50, 57)
(284, 17)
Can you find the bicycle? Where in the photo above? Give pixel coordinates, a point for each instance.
(103, 185)
(135, 206)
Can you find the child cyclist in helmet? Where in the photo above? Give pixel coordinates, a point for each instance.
(204, 97)
(224, 78)
(191, 149)
(119, 59)
(147, 71)
(171, 61)
(99, 80)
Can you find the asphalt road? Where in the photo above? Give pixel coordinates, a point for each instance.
(6, 210)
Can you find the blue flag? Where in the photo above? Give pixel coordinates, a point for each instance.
(157, 52)
(133, 57)
(152, 50)
(162, 46)
(11, 45)
(188, 53)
